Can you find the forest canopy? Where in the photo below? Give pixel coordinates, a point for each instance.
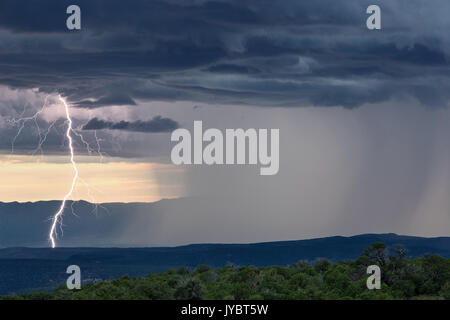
(426, 277)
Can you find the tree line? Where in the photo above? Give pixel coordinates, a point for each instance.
(425, 277)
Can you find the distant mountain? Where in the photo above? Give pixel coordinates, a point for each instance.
(170, 222)
(27, 269)
(84, 224)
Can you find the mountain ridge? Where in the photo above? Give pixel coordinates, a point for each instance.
(140, 224)
(415, 243)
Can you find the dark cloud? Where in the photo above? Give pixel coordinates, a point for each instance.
(231, 68)
(157, 124)
(254, 52)
(117, 100)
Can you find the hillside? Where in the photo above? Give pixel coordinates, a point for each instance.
(427, 277)
(25, 269)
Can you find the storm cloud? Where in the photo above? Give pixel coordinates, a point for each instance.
(255, 52)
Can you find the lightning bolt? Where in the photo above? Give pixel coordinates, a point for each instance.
(23, 121)
(58, 215)
(70, 134)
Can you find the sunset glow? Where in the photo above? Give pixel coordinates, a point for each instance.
(24, 179)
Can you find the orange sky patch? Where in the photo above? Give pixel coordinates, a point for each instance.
(25, 179)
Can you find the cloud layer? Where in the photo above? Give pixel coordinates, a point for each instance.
(255, 52)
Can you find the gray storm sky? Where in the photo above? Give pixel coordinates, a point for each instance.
(363, 115)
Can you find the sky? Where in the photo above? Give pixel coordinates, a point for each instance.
(363, 114)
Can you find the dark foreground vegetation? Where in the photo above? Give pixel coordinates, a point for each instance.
(427, 277)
